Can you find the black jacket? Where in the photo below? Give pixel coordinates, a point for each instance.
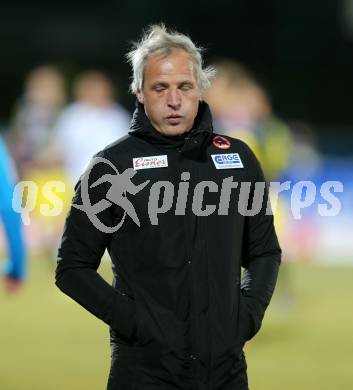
(179, 311)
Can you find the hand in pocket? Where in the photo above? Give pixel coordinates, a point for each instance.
(247, 326)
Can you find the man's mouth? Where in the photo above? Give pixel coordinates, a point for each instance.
(174, 119)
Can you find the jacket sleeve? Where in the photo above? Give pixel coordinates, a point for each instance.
(261, 256)
(79, 256)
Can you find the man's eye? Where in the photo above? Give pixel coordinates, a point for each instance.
(159, 89)
(186, 87)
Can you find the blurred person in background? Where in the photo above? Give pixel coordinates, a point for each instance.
(31, 135)
(305, 164)
(15, 265)
(90, 123)
(31, 129)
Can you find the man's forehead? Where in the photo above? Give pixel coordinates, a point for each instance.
(177, 63)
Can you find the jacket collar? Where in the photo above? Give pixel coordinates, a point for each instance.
(191, 143)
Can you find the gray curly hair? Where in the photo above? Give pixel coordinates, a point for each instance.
(158, 40)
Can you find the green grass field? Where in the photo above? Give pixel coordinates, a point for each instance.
(48, 342)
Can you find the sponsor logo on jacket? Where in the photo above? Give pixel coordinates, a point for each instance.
(150, 162)
(227, 161)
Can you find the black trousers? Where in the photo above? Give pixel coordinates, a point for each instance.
(133, 369)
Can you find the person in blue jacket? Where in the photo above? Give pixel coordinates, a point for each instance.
(15, 265)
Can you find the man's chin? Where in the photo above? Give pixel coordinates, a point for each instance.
(175, 130)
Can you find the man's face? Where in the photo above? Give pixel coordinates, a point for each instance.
(170, 93)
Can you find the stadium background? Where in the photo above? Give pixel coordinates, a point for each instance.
(302, 53)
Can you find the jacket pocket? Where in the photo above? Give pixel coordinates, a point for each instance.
(143, 337)
(247, 324)
(124, 327)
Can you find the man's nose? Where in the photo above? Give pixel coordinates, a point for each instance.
(174, 99)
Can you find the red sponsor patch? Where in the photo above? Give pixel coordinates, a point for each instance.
(221, 142)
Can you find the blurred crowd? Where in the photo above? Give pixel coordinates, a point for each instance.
(51, 138)
(55, 130)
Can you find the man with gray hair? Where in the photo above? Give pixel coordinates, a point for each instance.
(179, 309)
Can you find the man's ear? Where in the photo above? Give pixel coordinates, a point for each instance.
(201, 96)
(139, 96)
